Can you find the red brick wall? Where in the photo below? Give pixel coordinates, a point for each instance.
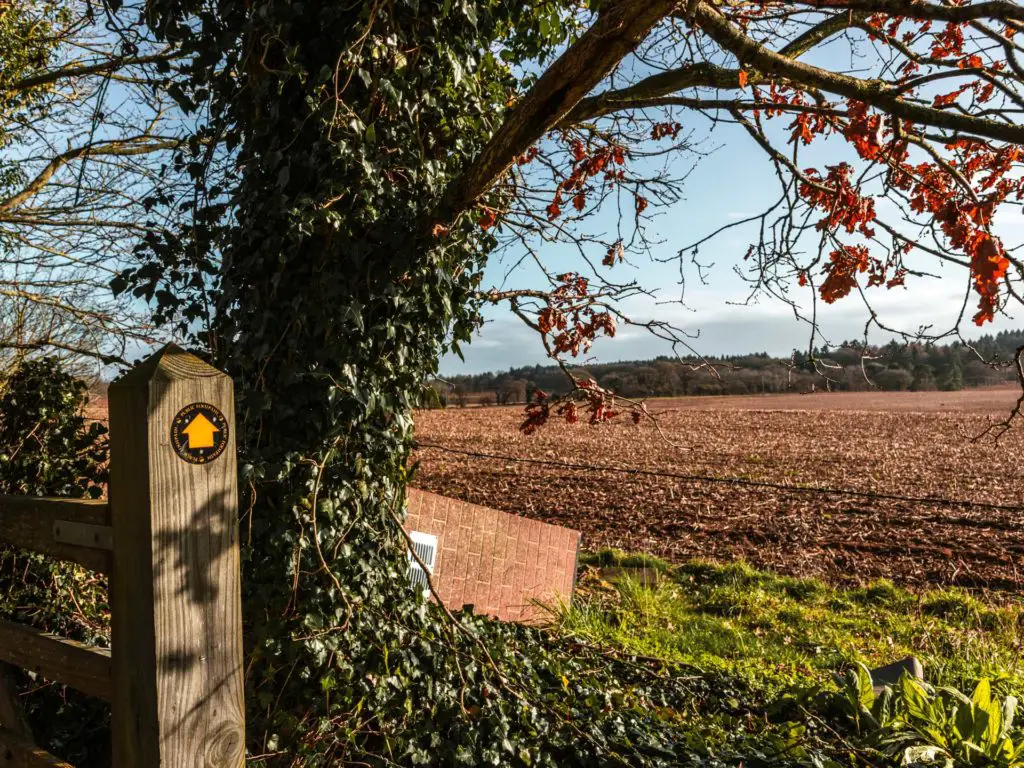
(496, 562)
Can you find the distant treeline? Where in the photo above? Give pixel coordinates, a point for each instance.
(850, 367)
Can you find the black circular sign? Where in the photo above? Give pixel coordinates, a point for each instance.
(199, 433)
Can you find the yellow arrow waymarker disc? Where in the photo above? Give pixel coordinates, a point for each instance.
(199, 433)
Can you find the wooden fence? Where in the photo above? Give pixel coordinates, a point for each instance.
(168, 539)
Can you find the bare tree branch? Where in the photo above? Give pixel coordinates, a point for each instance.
(620, 27)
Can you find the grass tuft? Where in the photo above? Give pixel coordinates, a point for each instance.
(778, 633)
(616, 558)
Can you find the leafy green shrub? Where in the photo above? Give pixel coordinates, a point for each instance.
(48, 448)
(915, 723)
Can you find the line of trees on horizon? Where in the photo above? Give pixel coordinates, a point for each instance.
(850, 367)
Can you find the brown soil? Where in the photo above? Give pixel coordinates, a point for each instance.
(911, 444)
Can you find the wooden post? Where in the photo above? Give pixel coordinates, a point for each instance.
(175, 593)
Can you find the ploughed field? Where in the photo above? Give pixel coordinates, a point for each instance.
(897, 444)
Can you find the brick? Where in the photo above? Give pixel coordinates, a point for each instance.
(519, 580)
(414, 501)
(455, 592)
(475, 527)
(507, 572)
(449, 538)
(444, 591)
(505, 599)
(568, 571)
(544, 534)
(512, 541)
(496, 549)
(430, 506)
(533, 555)
(465, 541)
(433, 507)
(440, 514)
(496, 561)
(464, 569)
(501, 525)
(492, 600)
(472, 570)
(487, 537)
(445, 560)
(426, 508)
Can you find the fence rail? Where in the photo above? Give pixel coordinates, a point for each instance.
(168, 539)
(81, 666)
(44, 526)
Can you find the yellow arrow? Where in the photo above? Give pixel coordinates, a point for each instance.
(200, 432)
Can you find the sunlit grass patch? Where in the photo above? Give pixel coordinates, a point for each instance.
(778, 632)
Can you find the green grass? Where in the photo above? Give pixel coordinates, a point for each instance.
(778, 633)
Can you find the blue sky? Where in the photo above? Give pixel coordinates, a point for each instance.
(734, 181)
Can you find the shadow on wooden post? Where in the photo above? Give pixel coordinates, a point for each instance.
(175, 592)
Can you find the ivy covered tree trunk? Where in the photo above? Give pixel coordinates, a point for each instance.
(325, 405)
(330, 340)
(335, 304)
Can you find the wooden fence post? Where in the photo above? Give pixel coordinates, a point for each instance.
(175, 593)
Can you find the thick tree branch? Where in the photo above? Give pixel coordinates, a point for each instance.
(1004, 10)
(876, 93)
(52, 76)
(122, 148)
(665, 83)
(618, 30)
(821, 32)
(742, 105)
(647, 92)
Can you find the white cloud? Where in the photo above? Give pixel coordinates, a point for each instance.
(723, 329)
